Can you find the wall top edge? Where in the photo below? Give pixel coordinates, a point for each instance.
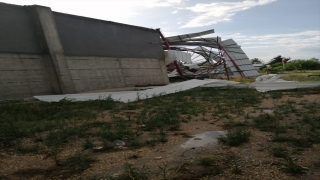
(75, 16)
(11, 5)
(102, 21)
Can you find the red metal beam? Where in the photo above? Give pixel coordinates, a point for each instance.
(168, 47)
(235, 65)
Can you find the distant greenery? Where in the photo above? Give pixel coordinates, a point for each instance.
(298, 64)
(256, 61)
(277, 59)
(311, 64)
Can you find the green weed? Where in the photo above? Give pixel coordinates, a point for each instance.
(164, 170)
(208, 160)
(291, 167)
(79, 162)
(132, 172)
(276, 95)
(235, 137)
(279, 151)
(88, 144)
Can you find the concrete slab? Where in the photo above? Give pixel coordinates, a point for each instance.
(129, 96)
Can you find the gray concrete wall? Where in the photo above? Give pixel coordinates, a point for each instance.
(17, 32)
(52, 41)
(23, 76)
(44, 53)
(96, 73)
(82, 36)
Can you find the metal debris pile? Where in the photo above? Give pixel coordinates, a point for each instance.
(192, 55)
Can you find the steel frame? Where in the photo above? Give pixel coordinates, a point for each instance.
(221, 52)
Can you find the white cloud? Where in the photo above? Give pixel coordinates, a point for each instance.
(174, 12)
(119, 10)
(213, 13)
(162, 3)
(303, 45)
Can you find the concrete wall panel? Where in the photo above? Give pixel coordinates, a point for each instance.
(23, 76)
(18, 61)
(164, 72)
(79, 63)
(82, 36)
(142, 72)
(96, 73)
(129, 63)
(138, 80)
(17, 31)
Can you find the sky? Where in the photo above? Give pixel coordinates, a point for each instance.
(263, 28)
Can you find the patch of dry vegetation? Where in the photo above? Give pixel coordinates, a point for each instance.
(71, 139)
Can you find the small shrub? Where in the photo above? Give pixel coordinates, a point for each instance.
(279, 151)
(79, 162)
(207, 161)
(291, 167)
(276, 95)
(134, 173)
(88, 144)
(135, 144)
(133, 156)
(28, 149)
(235, 137)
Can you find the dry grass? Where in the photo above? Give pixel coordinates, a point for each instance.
(43, 140)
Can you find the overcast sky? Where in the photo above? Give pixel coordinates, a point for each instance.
(263, 28)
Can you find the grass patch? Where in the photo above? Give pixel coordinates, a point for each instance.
(132, 172)
(235, 137)
(279, 151)
(48, 128)
(79, 162)
(291, 167)
(208, 161)
(300, 78)
(134, 156)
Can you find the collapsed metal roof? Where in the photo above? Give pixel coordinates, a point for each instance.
(219, 57)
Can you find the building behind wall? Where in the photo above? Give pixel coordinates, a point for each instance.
(45, 52)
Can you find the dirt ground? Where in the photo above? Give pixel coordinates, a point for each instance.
(169, 160)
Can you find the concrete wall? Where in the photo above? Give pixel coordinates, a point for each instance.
(17, 32)
(23, 76)
(43, 52)
(82, 36)
(93, 73)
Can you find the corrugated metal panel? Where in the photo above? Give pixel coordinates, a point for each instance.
(129, 96)
(207, 44)
(179, 55)
(228, 42)
(239, 57)
(188, 36)
(235, 50)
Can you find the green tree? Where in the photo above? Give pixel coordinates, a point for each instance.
(256, 61)
(277, 59)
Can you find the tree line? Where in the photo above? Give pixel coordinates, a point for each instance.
(276, 64)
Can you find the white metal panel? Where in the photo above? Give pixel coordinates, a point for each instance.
(179, 55)
(241, 59)
(188, 36)
(129, 96)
